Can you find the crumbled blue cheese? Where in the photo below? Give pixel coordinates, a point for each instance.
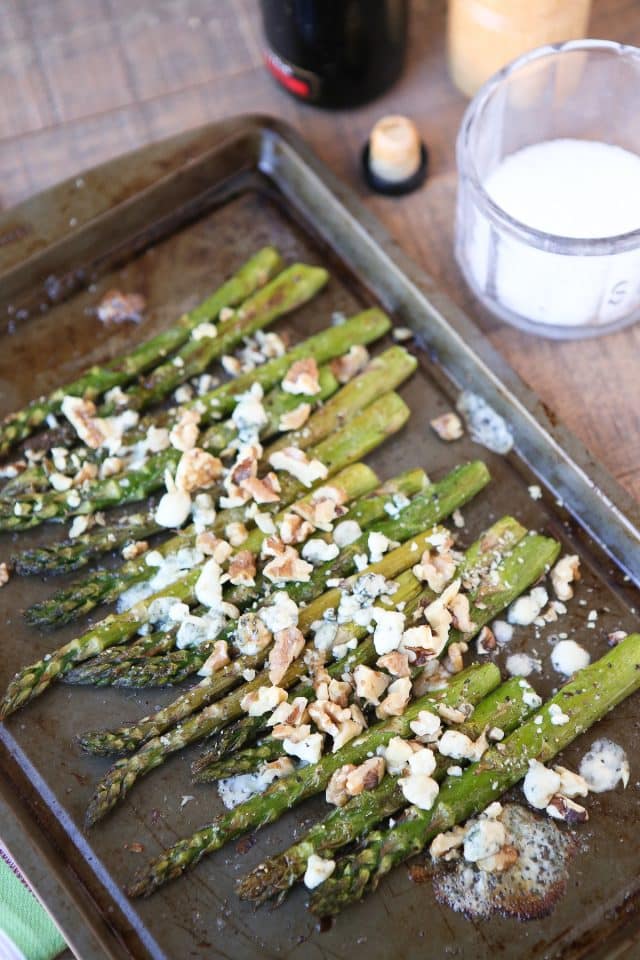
(540, 785)
(604, 765)
(525, 609)
(485, 424)
(567, 657)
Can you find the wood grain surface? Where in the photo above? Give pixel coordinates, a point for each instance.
(85, 80)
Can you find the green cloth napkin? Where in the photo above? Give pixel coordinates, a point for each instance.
(26, 932)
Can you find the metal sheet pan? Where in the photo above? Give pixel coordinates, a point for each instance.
(169, 221)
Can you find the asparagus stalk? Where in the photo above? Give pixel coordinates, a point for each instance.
(588, 697)
(130, 736)
(391, 368)
(106, 585)
(72, 554)
(286, 292)
(177, 665)
(149, 730)
(124, 773)
(290, 289)
(359, 437)
(113, 666)
(96, 381)
(470, 686)
(504, 707)
(509, 578)
(347, 445)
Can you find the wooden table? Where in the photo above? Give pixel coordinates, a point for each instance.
(84, 80)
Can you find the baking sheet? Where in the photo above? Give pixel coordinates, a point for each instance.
(170, 221)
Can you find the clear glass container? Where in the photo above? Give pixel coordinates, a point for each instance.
(484, 35)
(545, 283)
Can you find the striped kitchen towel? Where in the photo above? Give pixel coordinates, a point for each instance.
(26, 931)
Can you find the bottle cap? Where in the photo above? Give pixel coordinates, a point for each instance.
(394, 160)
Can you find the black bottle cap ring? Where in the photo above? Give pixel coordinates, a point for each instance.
(395, 188)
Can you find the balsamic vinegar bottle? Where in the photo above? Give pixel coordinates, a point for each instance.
(335, 53)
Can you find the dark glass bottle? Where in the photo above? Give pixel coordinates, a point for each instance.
(335, 53)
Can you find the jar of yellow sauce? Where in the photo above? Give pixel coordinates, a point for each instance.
(484, 35)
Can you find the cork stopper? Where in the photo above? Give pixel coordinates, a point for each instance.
(395, 159)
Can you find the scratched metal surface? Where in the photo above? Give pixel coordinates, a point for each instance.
(174, 244)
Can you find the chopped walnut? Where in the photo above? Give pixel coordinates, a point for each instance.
(294, 419)
(263, 700)
(263, 489)
(349, 729)
(293, 529)
(451, 714)
(287, 646)
(81, 414)
(242, 569)
(448, 426)
(328, 716)
(370, 684)
(339, 691)
(293, 714)
(184, 434)
(395, 663)
(302, 377)
(459, 607)
(295, 462)
(398, 696)
(366, 776)
(118, 307)
(325, 505)
(447, 843)
(337, 793)
(197, 469)
(562, 808)
(294, 733)
(218, 659)
(111, 466)
(236, 533)
(288, 566)
(500, 861)
(212, 546)
(4, 574)
(565, 572)
(454, 661)
(87, 472)
(349, 364)
(486, 642)
(436, 569)
(132, 550)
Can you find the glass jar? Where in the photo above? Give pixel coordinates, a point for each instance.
(484, 35)
(562, 286)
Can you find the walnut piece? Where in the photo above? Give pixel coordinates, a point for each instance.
(288, 645)
(197, 469)
(448, 426)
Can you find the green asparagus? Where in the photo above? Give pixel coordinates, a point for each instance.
(588, 697)
(504, 707)
(470, 686)
(286, 292)
(456, 488)
(290, 289)
(96, 381)
(484, 562)
(113, 666)
(363, 434)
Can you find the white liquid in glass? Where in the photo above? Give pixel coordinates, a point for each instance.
(567, 188)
